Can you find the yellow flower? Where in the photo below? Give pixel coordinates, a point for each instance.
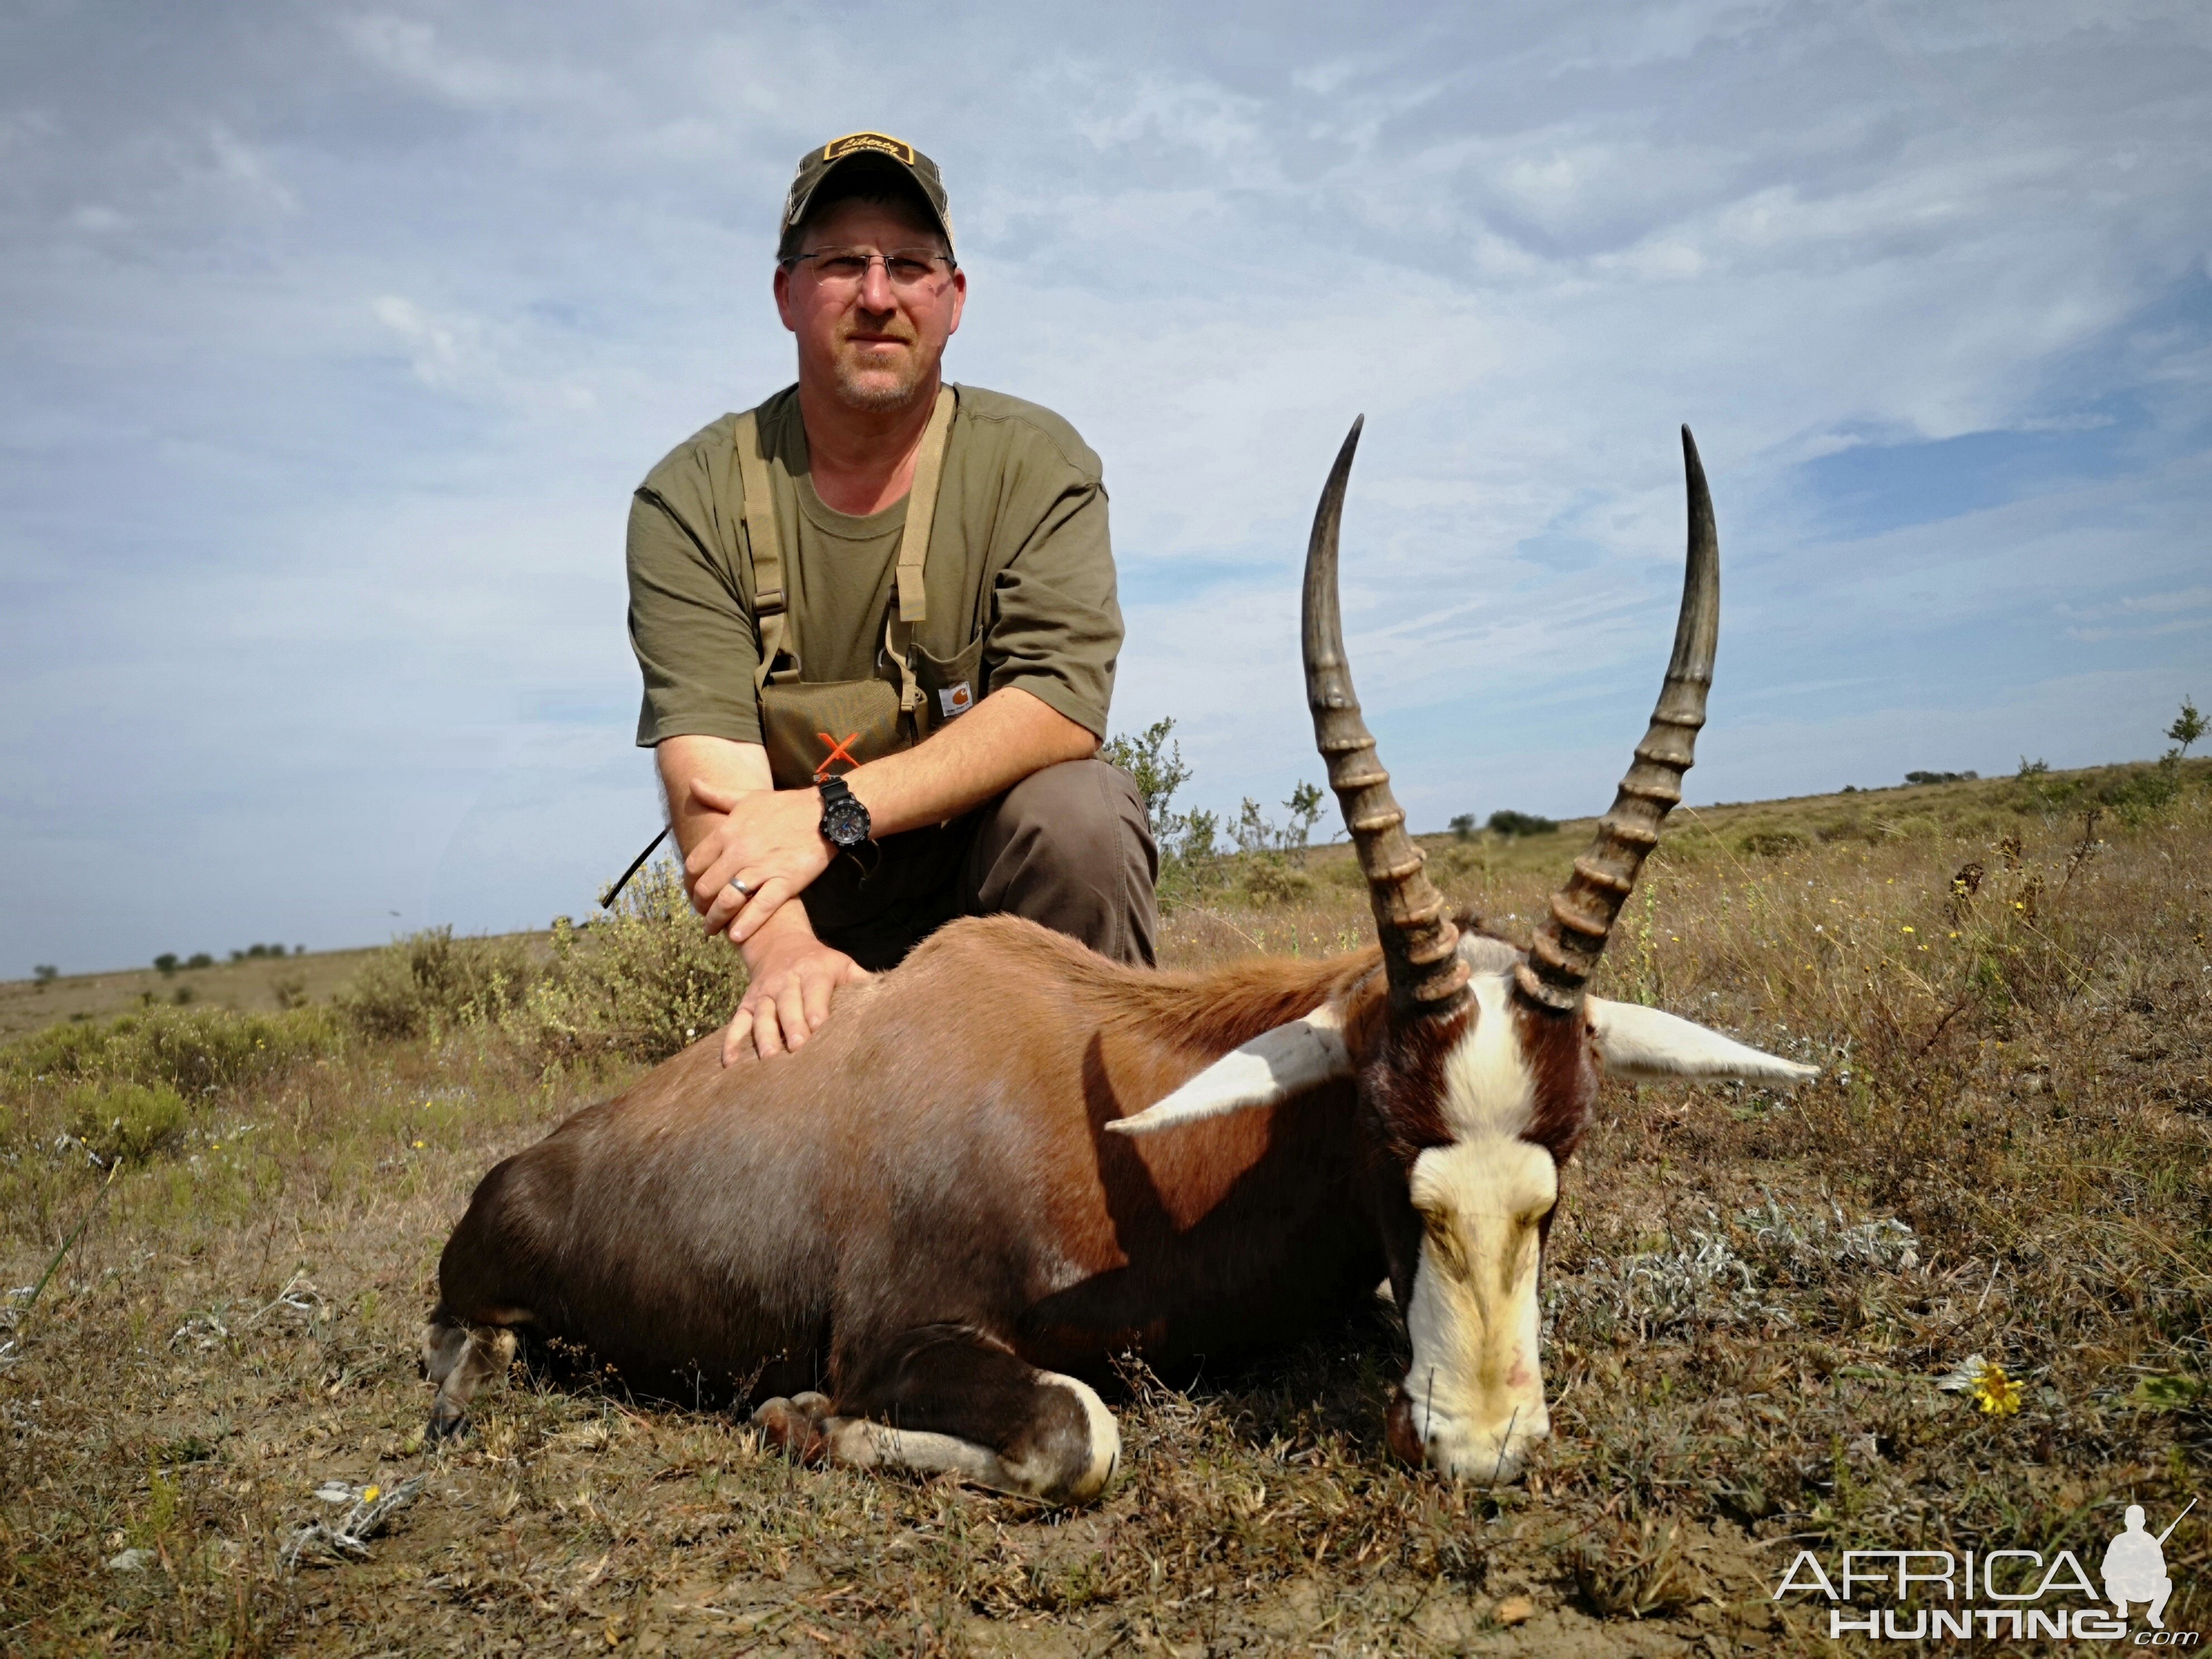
(369, 1497)
(1909, 930)
(1997, 1394)
(418, 1145)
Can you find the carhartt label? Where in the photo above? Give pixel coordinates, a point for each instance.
(956, 700)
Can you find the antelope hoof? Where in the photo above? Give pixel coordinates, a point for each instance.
(794, 1426)
(447, 1422)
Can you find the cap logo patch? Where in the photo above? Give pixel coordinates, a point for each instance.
(851, 143)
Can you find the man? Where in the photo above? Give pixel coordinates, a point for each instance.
(877, 622)
(2134, 1568)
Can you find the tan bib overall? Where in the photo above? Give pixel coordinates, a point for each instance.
(813, 731)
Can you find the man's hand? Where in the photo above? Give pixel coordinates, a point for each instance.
(768, 839)
(794, 975)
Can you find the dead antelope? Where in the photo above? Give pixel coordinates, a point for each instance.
(1009, 1159)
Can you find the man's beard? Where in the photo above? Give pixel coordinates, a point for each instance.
(876, 387)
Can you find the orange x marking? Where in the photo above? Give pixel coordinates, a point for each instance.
(838, 751)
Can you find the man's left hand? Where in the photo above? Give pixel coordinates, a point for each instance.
(768, 839)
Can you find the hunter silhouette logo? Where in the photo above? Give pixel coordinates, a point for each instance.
(2024, 1595)
(2135, 1566)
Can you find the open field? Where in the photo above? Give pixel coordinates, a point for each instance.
(1749, 1297)
(256, 984)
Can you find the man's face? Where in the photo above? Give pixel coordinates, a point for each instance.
(874, 346)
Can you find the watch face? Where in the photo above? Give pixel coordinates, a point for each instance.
(844, 821)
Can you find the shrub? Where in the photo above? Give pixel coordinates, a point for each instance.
(1462, 826)
(2188, 727)
(199, 959)
(1154, 764)
(639, 983)
(205, 1048)
(1267, 880)
(1941, 777)
(126, 1119)
(46, 974)
(430, 983)
(1770, 843)
(167, 962)
(1521, 823)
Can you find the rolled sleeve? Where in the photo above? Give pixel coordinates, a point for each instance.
(692, 630)
(1056, 626)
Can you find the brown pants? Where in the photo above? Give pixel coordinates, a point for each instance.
(1068, 847)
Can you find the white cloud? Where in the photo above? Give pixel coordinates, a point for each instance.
(389, 314)
(416, 52)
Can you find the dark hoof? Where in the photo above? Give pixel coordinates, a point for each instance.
(445, 1423)
(793, 1429)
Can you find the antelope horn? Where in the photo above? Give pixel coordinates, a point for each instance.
(1419, 944)
(1569, 944)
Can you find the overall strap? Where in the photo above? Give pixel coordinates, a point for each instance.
(771, 601)
(914, 548)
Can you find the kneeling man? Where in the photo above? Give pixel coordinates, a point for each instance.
(877, 622)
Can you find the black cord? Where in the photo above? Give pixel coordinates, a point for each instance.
(608, 898)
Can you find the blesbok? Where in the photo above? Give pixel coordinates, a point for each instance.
(1009, 1160)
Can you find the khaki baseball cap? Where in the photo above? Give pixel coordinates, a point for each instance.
(816, 165)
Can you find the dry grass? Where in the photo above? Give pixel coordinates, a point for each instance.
(1750, 1296)
(259, 983)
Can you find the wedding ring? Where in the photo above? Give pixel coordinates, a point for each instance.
(740, 889)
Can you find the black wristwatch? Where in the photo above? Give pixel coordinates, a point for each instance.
(845, 823)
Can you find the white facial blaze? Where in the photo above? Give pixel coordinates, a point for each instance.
(1488, 1087)
(1476, 1388)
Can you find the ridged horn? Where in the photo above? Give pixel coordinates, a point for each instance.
(1419, 944)
(1570, 942)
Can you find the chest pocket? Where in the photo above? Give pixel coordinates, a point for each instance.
(823, 730)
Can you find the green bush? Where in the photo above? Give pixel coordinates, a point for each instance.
(193, 1051)
(429, 984)
(130, 1120)
(639, 983)
(1521, 823)
(1770, 843)
(1266, 879)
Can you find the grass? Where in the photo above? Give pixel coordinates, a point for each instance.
(1750, 1298)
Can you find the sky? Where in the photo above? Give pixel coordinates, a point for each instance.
(332, 341)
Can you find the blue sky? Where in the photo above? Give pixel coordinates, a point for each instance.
(332, 341)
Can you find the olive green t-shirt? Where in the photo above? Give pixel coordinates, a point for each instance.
(1018, 557)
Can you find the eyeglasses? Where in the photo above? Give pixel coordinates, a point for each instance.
(842, 270)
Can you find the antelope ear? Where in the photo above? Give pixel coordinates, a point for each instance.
(1270, 1068)
(1644, 1045)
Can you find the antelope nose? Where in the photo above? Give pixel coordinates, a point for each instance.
(1400, 1430)
(1492, 1457)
